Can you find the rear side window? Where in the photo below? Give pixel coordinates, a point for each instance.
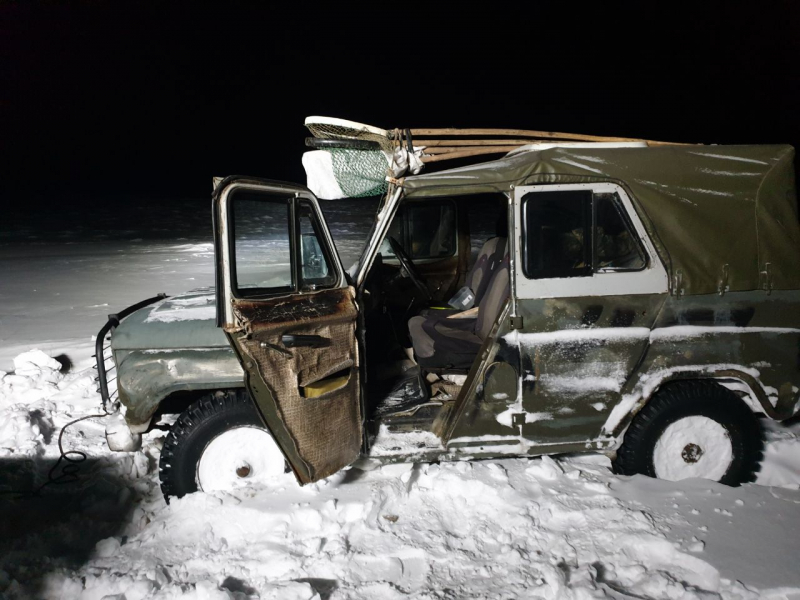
(574, 233)
(616, 247)
(557, 236)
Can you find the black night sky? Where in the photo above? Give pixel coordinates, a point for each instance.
(153, 99)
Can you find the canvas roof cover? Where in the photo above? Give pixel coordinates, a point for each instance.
(720, 216)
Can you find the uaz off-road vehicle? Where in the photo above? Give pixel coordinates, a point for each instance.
(644, 303)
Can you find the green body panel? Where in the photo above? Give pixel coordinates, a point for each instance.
(185, 321)
(569, 374)
(146, 377)
(746, 338)
(721, 217)
(581, 383)
(577, 354)
(170, 346)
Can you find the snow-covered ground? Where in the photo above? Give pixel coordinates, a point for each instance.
(548, 528)
(563, 528)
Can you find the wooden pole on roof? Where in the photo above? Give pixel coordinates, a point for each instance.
(524, 133)
(531, 135)
(463, 153)
(483, 142)
(477, 149)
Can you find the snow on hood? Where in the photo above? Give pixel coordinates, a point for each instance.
(197, 305)
(185, 321)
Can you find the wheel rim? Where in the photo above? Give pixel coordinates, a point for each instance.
(693, 447)
(239, 457)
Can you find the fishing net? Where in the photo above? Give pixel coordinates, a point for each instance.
(360, 154)
(360, 173)
(361, 157)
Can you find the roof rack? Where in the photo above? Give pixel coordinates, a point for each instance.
(450, 143)
(358, 160)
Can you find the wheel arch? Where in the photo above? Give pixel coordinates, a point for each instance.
(700, 396)
(744, 385)
(148, 378)
(206, 418)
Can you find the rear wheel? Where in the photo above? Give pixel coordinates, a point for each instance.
(693, 429)
(218, 443)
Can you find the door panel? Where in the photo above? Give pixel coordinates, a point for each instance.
(290, 316)
(573, 371)
(588, 285)
(324, 430)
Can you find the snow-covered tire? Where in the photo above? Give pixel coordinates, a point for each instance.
(693, 429)
(220, 434)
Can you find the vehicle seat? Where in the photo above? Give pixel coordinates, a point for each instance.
(454, 342)
(489, 259)
(478, 277)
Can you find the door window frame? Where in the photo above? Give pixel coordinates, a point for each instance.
(651, 279)
(225, 261)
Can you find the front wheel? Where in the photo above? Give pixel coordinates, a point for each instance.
(218, 443)
(693, 429)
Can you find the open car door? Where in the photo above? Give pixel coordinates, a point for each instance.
(286, 307)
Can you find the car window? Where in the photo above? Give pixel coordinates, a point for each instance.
(615, 245)
(425, 230)
(315, 264)
(261, 241)
(574, 233)
(557, 240)
(277, 248)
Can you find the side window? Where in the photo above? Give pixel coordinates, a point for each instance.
(573, 233)
(316, 268)
(425, 230)
(431, 230)
(616, 248)
(557, 236)
(269, 255)
(262, 250)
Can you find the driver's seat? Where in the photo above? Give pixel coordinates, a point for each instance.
(453, 343)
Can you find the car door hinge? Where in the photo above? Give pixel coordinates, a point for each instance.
(516, 322)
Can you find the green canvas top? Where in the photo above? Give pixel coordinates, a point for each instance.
(716, 214)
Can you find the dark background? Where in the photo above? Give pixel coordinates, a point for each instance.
(125, 101)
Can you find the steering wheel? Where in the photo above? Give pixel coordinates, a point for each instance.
(409, 268)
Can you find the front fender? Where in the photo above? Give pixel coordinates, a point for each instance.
(146, 377)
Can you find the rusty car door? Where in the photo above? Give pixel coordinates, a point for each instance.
(285, 304)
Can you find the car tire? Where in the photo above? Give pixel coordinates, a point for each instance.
(693, 429)
(221, 438)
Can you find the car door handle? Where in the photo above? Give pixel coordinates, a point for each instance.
(314, 341)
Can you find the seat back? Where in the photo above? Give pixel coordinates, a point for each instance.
(497, 292)
(489, 258)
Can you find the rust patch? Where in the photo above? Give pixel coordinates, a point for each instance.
(294, 310)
